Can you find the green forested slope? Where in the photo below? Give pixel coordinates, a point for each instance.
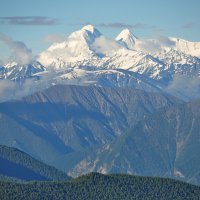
(17, 164)
(95, 186)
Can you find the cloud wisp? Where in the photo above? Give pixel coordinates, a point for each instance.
(13, 90)
(185, 87)
(130, 26)
(29, 20)
(7, 88)
(19, 51)
(191, 25)
(154, 45)
(116, 25)
(103, 45)
(10, 90)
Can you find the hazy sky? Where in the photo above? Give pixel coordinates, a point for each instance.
(38, 23)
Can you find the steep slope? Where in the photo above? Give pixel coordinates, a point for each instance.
(108, 78)
(77, 47)
(158, 60)
(159, 65)
(191, 48)
(17, 72)
(19, 165)
(15, 134)
(127, 39)
(64, 118)
(100, 187)
(86, 57)
(164, 144)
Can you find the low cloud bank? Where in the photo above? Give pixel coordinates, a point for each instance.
(103, 45)
(19, 51)
(185, 87)
(154, 45)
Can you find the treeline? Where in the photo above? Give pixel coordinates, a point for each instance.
(96, 186)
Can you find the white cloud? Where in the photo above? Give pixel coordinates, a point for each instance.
(185, 87)
(103, 45)
(12, 90)
(19, 51)
(165, 41)
(6, 89)
(154, 45)
(147, 46)
(29, 20)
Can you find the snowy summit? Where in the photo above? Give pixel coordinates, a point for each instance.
(127, 39)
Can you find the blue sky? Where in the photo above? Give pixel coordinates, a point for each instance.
(37, 23)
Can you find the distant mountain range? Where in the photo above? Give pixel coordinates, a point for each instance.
(87, 57)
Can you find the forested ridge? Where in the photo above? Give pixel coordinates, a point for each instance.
(19, 165)
(99, 187)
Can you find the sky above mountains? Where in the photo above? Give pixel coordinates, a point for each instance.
(32, 25)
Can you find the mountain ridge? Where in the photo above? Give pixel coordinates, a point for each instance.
(163, 144)
(87, 57)
(19, 165)
(64, 119)
(100, 187)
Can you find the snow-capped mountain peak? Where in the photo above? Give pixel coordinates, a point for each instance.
(91, 29)
(88, 33)
(127, 39)
(77, 47)
(87, 56)
(188, 47)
